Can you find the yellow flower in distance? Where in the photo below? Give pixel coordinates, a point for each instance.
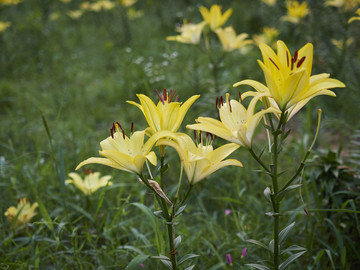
(102, 5)
(288, 78)
(230, 41)
(168, 114)
(347, 5)
(22, 213)
(269, 2)
(127, 3)
(268, 36)
(10, 2)
(126, 154)
(91, 182)
(213, 17)
(295, 11)
(237, 123)
(190, 33)
(4, 26)
(355, 18)
(202, 160)
(75, 14)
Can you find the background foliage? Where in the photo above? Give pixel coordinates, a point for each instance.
(63, 81)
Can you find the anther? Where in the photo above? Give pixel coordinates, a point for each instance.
(160, 97)
(307, 213)
(300, 62)
(287, 58)
(132, 127)
(119, 125)
(228, 100)
(195, 135)
(272, 61)
(165, 94)
(240, 98)
(295, 55)
(123, 132)
(217, 101)
(199, 136)
(221, 102)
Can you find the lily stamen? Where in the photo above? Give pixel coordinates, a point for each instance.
(272, 61)
(160, 97)
(300, 62)
(228, 101)
(287, 58)
(240, 98)
(216, 103)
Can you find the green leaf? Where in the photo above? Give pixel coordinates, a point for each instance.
(190, 267)
(277, 132)
(328, 253)
(318, 256)
(258, 243)
(135, 263)
(286, 134)
(343, 258)
(292, 248)
(44, 213)
(282, 193)
(187, 257)
(177, 241)
(164, 168)
(290, 260)
(180, 210)
(271, 246)
(258, 266)
(285, 232)
(147, 212)
(101, 200)
(159, 214)
(167, 264)
(161, 257)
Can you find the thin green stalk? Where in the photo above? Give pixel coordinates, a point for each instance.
(259, 160)
(276, 205)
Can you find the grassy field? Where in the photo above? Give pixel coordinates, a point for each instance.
(65, 80)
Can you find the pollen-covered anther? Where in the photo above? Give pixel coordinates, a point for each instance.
(272, 61)
(217, 103)
(228, 101)
(240, 98)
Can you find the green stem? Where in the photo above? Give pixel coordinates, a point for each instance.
(276, 205)
(169, 219)
(259, 160)
(162, 159)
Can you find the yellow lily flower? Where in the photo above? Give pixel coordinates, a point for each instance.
(10, 2)
(202, 160)
(127, 3)
(75, 14)
(269, 2)
(91, 182)
(190, 33)
(4, 26)
(230, 41)
(102, 5)
(23, 212)
(355, 18)
(295, 11)
(167, 115)
(288, 78)
(237, 123)
(213, 17)
(347, 5)
(268, 36)
(126, 154)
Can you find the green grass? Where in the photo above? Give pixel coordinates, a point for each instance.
(63, 83)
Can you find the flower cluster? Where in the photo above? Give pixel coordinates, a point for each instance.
(22, 213)
(214, 19)
(164, 119)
